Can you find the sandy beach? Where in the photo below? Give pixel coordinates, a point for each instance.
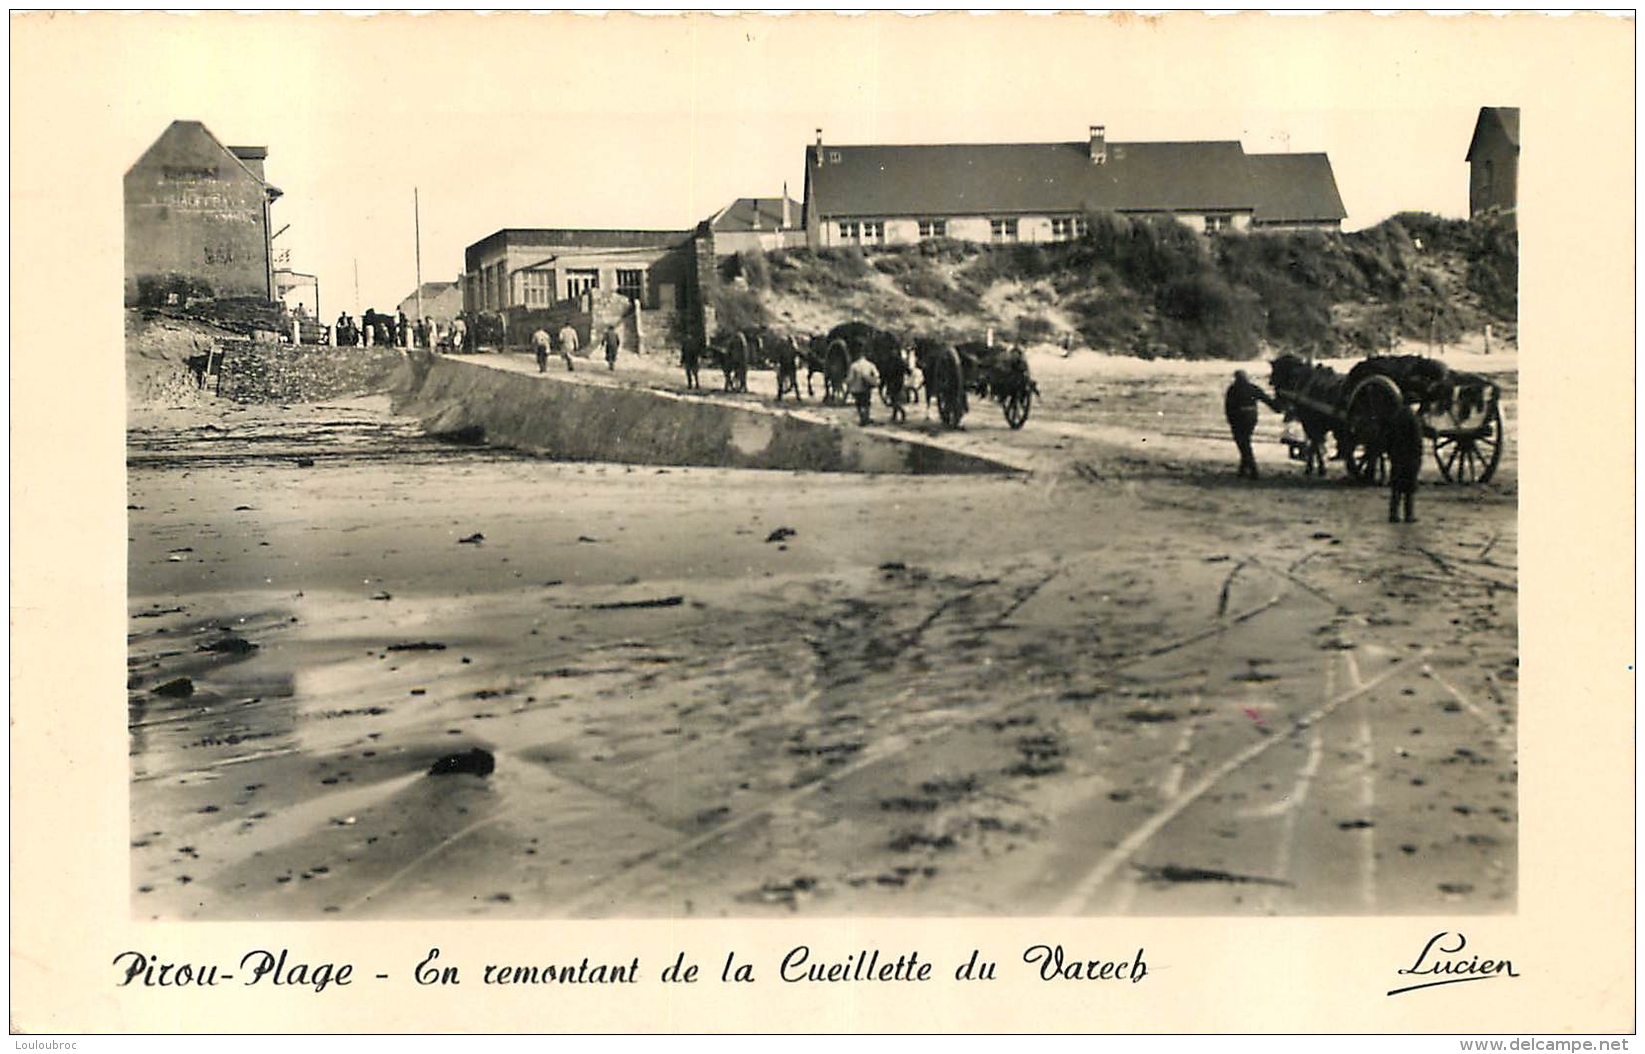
(1125, 682)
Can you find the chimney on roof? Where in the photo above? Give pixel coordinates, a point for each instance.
(756, 202)
(252, 157)
(788, 220)
(1099, 145)
(819, 148)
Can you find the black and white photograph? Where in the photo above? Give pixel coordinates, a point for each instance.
(821, 467)
(1114, 519)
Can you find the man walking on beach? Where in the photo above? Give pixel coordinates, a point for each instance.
(860, 381)
(1240, 404)
(568, 344)
(539, 340)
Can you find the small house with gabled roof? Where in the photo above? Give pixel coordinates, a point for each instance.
(1493, 160)
(757, 223)
(1042, 192)
(441, 301)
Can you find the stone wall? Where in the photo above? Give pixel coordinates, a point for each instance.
(705, 276)
(286, 373)
(559, 416)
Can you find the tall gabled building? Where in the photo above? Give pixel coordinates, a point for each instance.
(1493, 160)
(197, 213)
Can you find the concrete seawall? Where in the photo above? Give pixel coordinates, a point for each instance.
(575, 420)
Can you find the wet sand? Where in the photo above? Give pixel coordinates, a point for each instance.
(1127, 682)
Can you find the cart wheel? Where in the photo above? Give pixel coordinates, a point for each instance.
(1471, 458)
(1367, 464)
(1371, 407)
(1016, 409)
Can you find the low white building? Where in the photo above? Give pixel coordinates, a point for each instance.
(1042, 192)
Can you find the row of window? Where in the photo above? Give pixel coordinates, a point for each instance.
(537, 287)
(872, 232)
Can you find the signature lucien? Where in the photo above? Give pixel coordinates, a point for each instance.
(1442, 961)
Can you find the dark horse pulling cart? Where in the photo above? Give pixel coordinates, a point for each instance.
(1460, 413)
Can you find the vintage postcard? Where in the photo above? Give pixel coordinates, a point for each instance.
(726, 522)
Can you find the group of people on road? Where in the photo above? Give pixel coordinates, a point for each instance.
(398, 331)
(566, 344)
(1401, 442)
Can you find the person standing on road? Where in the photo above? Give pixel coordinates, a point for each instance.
(1240, 404)
(1404, 462)
(459, 335)
(568, 344)
(861, 380)
(540, 342)
(612, 342)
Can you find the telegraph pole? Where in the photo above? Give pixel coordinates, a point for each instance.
(417, 230)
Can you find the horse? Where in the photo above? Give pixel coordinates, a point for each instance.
(1320, 384)
(734, 361)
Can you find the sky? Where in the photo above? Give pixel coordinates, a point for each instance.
(657, 122)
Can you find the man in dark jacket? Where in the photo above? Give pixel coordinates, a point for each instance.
(1240, 404)
(1404, 462)
(612, 342)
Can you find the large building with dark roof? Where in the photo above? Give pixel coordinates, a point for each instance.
(1041, 192)
(1493, 160)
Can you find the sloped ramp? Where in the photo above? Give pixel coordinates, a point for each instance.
(563, 419)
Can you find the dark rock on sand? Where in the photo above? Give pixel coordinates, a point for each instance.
(475, 762)
(230, 644)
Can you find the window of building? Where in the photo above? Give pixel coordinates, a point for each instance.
(1219, 221)
(863, 232)
(833, 157)
(631, 283)
(539, 288)
(933, 228)
(1003, 230)
(578, 282)
(1065, 227)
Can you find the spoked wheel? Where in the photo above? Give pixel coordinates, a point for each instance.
(1016, 408)
(1371, 409)
(1367, 464)
(1470, 457)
